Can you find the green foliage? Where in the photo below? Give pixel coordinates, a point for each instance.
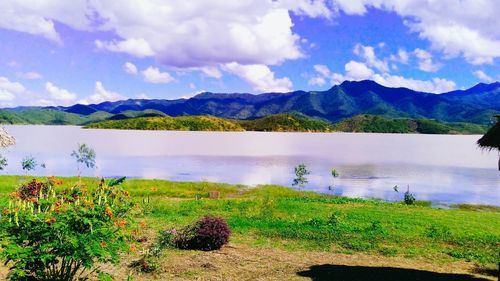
(278, 217)
(275, 123)
(49, 233)
(84, 155)
(182, 123)
(287, 123)
(409, 198)
(380, 124)
(29, 163)
(300, 175)
(334, 174)
(3, 162)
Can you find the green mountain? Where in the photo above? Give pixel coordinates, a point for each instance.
(286, 123)
(379, 124)
(475, 105)
(292, 123)
(182, 123)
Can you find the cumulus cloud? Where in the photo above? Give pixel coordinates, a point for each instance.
(425, 62)
(357, 71)
(367, 53)
(260, 77)
(130, 68)
(155, 76)
(402, 56)
(137, 47)
(14, 94)
(61, 96)
(30, 75)
(481, 75)
(101, 95)
(177, 33)
(468, 28)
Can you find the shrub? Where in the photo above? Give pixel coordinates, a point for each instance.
(207, 234)
(3, 162)
(300, 175)
(53, 233)
(29, 163)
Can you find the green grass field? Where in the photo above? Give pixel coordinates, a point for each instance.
(275, 216)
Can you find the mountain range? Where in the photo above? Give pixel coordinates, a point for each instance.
(475, 105)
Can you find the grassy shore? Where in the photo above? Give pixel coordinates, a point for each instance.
(282, 219)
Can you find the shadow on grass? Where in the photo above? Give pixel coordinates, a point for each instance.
(363, 273)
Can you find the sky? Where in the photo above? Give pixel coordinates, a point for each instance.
(59, 52)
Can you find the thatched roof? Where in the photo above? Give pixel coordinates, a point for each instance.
(5, 138)
(491, 140)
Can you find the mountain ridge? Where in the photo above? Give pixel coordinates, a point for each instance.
(350, 98)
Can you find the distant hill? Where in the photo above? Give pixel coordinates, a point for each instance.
(292, 123)
(475, 105)
(286, 123)
(181, 123)
(378, 124)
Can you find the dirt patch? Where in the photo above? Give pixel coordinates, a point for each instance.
(241, 262)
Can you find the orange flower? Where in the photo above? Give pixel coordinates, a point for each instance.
(154, 189)
(125, 193)
(103, 244)
(132, 248)
(55, 181)
(142, 223)
(108, 212)
(15, 194)
(121, 223)
(57, 208)
(50, 220)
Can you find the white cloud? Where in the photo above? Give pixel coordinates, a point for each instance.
(481, 75)
(31, 75)
(368, 55)
(211, 71)
(101, 95)
(61, 96)
(136, 47)
(322, 69)
(177, 33)
(143, 96)
(260, 77)
(14, 94)
(357, 71)
(468, 28)
(154, 75)
(317, 81)
(425, 62)
(402, 56)
(130, 68)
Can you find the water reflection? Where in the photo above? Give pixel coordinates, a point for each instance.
(444, 169)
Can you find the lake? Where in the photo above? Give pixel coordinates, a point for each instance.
(445, 169)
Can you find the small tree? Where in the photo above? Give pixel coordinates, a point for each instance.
(300, 173)
(84, 155)
(3, 162)
(409, 198)
(334, 174)
(29, 164)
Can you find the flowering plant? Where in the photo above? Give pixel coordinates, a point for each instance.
(49, 232)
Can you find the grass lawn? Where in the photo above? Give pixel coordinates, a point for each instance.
(272, 219)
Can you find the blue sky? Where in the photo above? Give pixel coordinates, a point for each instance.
(52, 53)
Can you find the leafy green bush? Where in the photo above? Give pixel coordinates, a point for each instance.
(54, 233)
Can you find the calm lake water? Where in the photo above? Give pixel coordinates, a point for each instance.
(442, 168)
